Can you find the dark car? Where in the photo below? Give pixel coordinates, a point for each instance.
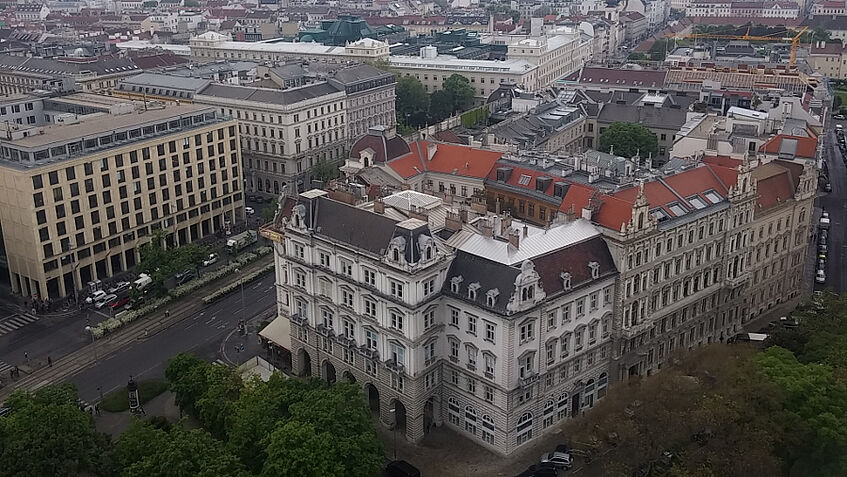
(401, 468)
(184, 277)
(560, 458)
(540, 470)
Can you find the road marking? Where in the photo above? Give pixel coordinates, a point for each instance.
(4, 367)
(219, 362)
(16, 321)
(259, 284)
(210, 321)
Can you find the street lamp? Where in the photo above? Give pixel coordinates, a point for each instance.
(90, 331)
(241, 284)
(393, 412)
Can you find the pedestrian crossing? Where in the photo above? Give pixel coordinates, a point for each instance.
(14, 322)
(219, 362)
(4, 368)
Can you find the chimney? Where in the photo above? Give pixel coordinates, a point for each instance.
(525, 231)
(417, 213)
(515, 238)
(453, 222)
(586, 213)
(486, 227)
(463, 215)
(431, 149)
(505, 224)
(379, 206)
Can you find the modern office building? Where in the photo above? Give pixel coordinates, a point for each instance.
(86, 180)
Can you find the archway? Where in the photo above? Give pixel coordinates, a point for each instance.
(305, 363)
(329, 372)
(399, 416)
(348, 376)
(373, 398)
(429, 415)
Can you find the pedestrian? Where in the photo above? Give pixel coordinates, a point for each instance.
(12, 374)
(167, 313)
(241, 348)
(26, 356)
(97, 409)
(49, 362)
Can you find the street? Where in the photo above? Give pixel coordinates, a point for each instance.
(201, 333)
(835, 203)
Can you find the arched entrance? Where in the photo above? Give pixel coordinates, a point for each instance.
(429, 415)
(305, 363)
(348, 376)
(329, 372)
(373, 398)
(399, 411)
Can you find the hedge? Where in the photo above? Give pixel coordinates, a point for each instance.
(475, 116)
(221, 292)
(124, 318)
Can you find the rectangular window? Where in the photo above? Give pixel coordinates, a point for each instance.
(527, 332)
(489, 331)
(396, 321)
(471, 324)
(396, 289)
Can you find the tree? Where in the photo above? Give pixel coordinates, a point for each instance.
(325, 171)
(186, 375)
(411, 102)
(637, 56)
(146, 450)
(269, 212)
(659, 50)
(440, 105)
(461, 92)
(629, 139)
(495, 8)
(47, 434)
(214, 407)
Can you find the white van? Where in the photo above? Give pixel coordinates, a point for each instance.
(757, 338)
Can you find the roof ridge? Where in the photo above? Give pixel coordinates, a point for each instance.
(715, 174)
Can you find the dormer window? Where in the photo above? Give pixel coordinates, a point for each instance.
(528, 292)
(395, 255)
(595, 269)
(491, 297)
(455, 282)
(472, 289)
(566, 280)
(429, 252)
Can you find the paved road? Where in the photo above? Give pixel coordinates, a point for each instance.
(836, 204)
(201, 333)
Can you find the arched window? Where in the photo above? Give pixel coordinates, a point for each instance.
(429, 252)
(602, 384)
(267, 185)
(548, 414)
(470, 420)
(259, 184)
(488, 429)
(276, 187)
(524, 428)
(453, 411)
(562, 406)
(395, 254)
(588, 394)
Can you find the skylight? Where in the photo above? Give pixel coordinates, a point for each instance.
(696, 201)
(676, 209)
(712, 196)
(524, 180)
(660, 214)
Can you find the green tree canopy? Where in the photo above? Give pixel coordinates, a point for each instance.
(47, 434)
(146, 450)
(461, 92)
(325, 171)
(269, 212)
(411, 102)
(628, 139)
(440, 105)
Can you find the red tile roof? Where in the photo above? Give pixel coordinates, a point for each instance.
(455, 159)
(577, 198)
(806, 146)
(724, 161)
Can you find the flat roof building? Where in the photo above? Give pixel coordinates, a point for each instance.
(87, 179)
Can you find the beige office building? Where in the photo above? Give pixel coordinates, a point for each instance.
(92, 178)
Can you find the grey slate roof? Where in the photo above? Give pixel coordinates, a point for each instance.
(166, 81)
(272, 96)
(649, 116)
(357, 227)
(47, 66)
(357, 73)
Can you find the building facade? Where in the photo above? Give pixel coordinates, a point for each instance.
(88, 192)
(283, 133)
(499, 336)
(369, 99)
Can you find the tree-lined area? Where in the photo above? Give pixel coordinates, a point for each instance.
(733, 410)
(283, 427)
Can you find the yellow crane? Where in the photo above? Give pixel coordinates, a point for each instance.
(795, 40)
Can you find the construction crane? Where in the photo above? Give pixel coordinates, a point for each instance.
(795, 40)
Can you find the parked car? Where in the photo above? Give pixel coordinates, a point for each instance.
(401, 468)
(249, 210)
(96, 296)
(540, 470)
(108, 300)
(119, 287)
(827, 187)
(561, 457)
(119, 302)
(838, 116)
(824, 221)
(184, 277)
(820, 276)
(212, 258)
(5, 411)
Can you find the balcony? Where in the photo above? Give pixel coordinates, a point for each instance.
(394, 366)
(529, 379)
(347, 342)
(325, 330)
(368, 352)
(299, 320)
(636, 330)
